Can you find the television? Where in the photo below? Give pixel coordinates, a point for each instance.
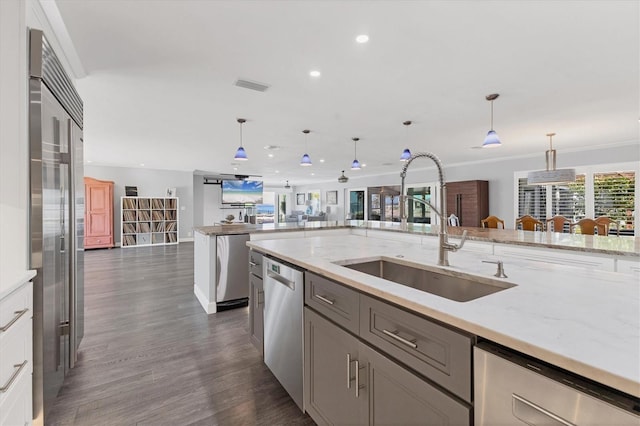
(241, 192)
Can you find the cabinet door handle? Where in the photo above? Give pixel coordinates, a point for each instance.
(260, 298)
(520, 402)
(358, 385)
(17, 316)
(15, 374)
(325, 300)
(348, 371)
(394, 334)
(253, 264)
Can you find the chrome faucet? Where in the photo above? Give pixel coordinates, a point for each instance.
(444, 245)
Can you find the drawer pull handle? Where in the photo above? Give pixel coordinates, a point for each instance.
(16, 318)
(325, 300)
(394, 334)
(253, 264)
(15, 374)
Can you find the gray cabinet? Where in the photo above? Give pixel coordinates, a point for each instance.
(435, 351)
(256, 301)
(397, 396)
(331, 357)
(256, 312)
(338, 303)
(348, 382)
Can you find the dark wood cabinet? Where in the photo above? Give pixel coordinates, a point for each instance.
(469, 200)
(98, 217)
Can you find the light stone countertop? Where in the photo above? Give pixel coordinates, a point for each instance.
(584, 321)
(611, 245)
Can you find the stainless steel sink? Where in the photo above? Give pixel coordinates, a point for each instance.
(447, 286)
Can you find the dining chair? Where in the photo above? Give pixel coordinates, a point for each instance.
(607, 222)
(558, 222)
(588, 227)
(492, 222)
(529, 223)
(453, 220)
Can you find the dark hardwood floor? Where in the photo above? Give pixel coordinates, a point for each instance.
(152, 356)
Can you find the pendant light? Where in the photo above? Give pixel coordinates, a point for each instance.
(492, 140)
(287, 186)
(342, 178)
(355, 165)
(306, 160)
(551, 175)
(241, 155)
(406, 154)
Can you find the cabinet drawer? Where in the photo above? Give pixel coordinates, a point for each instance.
(106, 241)
(432, 350)
(15, 404)
(255, 263)
(12, 306)
(335, 301)
(15, 355)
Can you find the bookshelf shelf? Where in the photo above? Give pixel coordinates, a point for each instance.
(149, 221)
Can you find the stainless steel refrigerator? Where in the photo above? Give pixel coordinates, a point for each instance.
(56, 222)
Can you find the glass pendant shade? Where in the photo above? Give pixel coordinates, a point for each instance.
(406, 154)
(306, 160)
(355, 165)
(492, 140)
(241, 155)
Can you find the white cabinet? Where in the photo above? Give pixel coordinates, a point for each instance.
(16, 356)
(149, 221)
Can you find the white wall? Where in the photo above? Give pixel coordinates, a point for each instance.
(14, 165)
(499, 173)
(150, 183)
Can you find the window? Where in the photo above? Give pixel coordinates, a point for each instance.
(568, 199)
(601, 190)
(532, 200)
(614, 197)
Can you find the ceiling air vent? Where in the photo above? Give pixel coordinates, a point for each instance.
(253, 85)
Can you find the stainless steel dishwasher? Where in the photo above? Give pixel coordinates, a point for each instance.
(283, 300)
(511, 389)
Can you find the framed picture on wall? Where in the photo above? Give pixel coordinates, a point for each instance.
(332, 197)
(300, 199)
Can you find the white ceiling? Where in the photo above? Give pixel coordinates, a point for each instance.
(159, 88)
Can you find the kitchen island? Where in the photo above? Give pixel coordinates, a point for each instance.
(583, 321)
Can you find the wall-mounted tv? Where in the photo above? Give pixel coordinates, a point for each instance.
(241, 192)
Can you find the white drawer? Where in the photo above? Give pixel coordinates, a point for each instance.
(15, 405)
(17, 301)
(16, 347)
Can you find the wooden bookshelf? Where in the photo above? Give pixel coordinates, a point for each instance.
(148, 221)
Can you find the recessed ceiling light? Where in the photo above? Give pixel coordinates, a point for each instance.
(362, 38)
(277, 171)
(235, 168)
(313, 174)
(141, 164)
(363, 165)
(314, 73)
(322, 160)
(270, 155)
(89, 161)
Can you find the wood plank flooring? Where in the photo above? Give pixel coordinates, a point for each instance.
(152, 356)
